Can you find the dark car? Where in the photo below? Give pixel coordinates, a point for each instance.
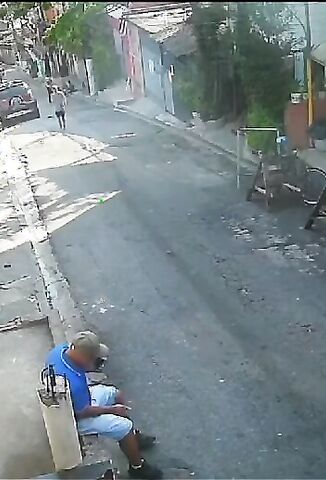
(17, 104)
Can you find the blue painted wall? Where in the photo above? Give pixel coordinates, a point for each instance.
(158, 83)
(152, 69)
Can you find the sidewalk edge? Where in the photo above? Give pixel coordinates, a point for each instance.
(189, 135)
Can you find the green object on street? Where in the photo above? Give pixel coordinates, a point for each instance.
(101, 200)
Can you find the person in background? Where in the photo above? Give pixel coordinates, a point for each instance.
(59, 102)
(100, 409)
(70, 87)
(49, 88)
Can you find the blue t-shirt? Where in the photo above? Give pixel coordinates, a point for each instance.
(75, 375)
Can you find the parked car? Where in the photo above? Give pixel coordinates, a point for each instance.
(17, 104)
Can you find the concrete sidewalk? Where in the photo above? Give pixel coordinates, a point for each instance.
(28, 330)
(212, 132)
(24, 341)
(37, 312)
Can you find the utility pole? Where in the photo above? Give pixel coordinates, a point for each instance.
(308, 66)
(84, 59)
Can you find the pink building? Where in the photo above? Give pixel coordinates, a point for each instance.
(128, 47)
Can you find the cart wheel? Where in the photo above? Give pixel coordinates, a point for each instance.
(314, 184)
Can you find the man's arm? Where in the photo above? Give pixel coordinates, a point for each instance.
(95, 411)
(63, 99)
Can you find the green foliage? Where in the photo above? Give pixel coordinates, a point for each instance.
(70, 32)
(105, 60)
(214, 58)
(253, 75)
(272, 20)
(83, 30)
(15, 9)
(259, 116)
(186, 86)
(264, 77)
(20, 9)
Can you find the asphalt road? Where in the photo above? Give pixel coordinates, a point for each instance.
(213, 308)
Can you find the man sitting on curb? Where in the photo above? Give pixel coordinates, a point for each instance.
(100, 409)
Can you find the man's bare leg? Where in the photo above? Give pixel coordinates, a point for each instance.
(138, 467)
(145, 442)
(129, 446)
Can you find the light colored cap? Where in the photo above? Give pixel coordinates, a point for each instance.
(90, 343)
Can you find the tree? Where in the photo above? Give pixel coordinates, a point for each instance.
(261, 53)
(106, 62)
(83, 30)
(70, 32)
(214, 50)
(15, 10)
(255, 68)
(263, 43)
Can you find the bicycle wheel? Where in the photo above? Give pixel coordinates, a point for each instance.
(315, 182)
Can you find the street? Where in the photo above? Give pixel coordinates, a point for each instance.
(213, 307)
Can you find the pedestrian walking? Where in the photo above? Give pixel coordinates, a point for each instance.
(2, 74)
(59, 103)
(49, 88)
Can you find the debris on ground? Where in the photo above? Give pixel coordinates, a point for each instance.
(124, 135)
(308, 327)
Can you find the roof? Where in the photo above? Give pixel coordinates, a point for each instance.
(116, 12)
(162, 23)
(182, 42)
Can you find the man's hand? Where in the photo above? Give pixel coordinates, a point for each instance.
(120, 410)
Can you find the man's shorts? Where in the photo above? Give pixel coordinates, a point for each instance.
(111, 426)
(60, 113)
